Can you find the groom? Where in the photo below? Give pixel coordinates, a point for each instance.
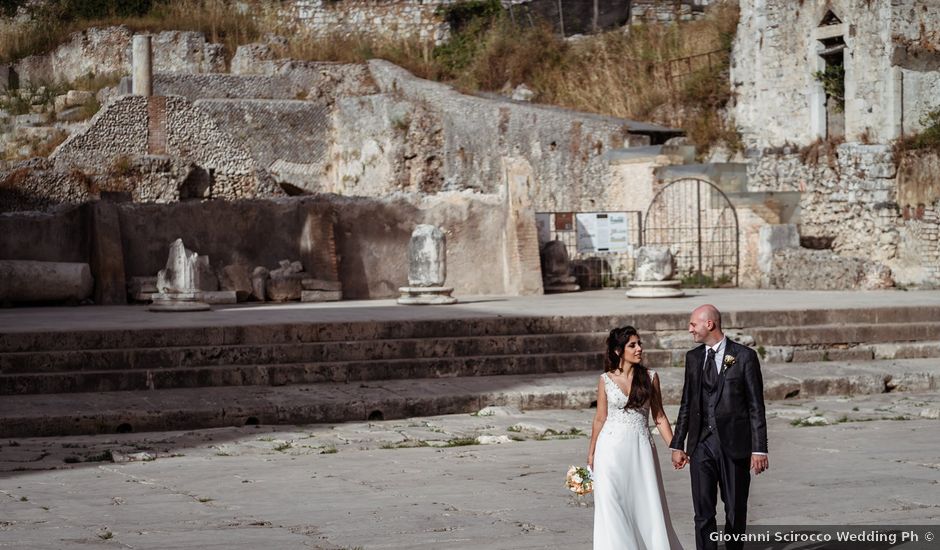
(722, 413)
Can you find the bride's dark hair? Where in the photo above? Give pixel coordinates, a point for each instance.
(642, 386)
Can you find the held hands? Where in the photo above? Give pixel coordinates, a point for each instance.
(759, 463)
(679, 459)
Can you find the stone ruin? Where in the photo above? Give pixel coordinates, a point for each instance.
(427, 269)
(188, 283)
(273, 128)
(655, 269)
(556, 268)
(180, 284)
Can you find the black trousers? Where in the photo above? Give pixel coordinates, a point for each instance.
(713, 470)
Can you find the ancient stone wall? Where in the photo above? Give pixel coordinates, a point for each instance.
(849, 205)
(252, 233)
(398, 19)
(890, 62)
(565, 148)
(665, 11)
(290, 139)
(35, 185)
(363, 241)
(107, 51)
(373, 234)
(134, 126)
(284, 79)
(384, 143)
(57, 236)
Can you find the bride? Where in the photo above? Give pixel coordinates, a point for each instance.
(629, 500)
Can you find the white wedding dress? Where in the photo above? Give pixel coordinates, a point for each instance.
(630, 511)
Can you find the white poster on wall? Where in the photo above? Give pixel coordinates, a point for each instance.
(603, 232)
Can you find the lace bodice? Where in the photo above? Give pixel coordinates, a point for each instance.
(619, 418)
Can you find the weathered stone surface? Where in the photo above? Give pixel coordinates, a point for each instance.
(426, 296)
(523, 93)
(556, 269)
(654, 289)
(206, 278)
(237, 278)
(805, 269)
(142, 289)
(32, 281)
(218, 296)
(320, 284)
(181, 282)
(107, 51)
(654, 263)
(182, 272)
(285, 284)
(774, 238)
(259, 283)
(321, 296)
(179, 302)
(427, 257)
(77, 98)
(107, 254)
(284, 287)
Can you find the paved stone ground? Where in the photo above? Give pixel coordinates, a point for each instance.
(595, 302)
(457, 481)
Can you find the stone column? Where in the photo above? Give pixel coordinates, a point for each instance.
(143, 66)
(32, 281)
(427, 269)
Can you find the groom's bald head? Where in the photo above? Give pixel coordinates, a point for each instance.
(705, 325)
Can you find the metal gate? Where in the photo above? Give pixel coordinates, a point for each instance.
(697, 222)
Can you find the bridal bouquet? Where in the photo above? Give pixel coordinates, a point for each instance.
(579, 480)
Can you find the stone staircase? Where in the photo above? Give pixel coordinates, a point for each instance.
(99, 381)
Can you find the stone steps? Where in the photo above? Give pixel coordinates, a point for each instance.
(772, 325)
(191, 408)
(296, 373)
(261, 354)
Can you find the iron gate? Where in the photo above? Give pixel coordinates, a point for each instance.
(697, 222)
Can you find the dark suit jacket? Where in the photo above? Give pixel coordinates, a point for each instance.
(739, 413)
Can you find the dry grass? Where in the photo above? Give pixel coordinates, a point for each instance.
(218, 19)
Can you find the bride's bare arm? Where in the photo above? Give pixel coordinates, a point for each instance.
(600, 416)
(659, 415)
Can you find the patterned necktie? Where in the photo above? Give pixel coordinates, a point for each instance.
(711, 371)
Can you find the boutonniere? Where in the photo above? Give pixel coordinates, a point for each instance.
(728, 362)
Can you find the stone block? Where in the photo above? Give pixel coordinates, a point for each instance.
(59, 103)
(218, 296)
(32, 281)
(72, 114)
(259, 281)
(142, 289)
(236, 278)
(284, 287)
(76, 98)
(320, 284)
(321, 296)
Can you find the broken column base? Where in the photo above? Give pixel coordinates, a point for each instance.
(179, 302)
(655, 289)
(426, 296)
